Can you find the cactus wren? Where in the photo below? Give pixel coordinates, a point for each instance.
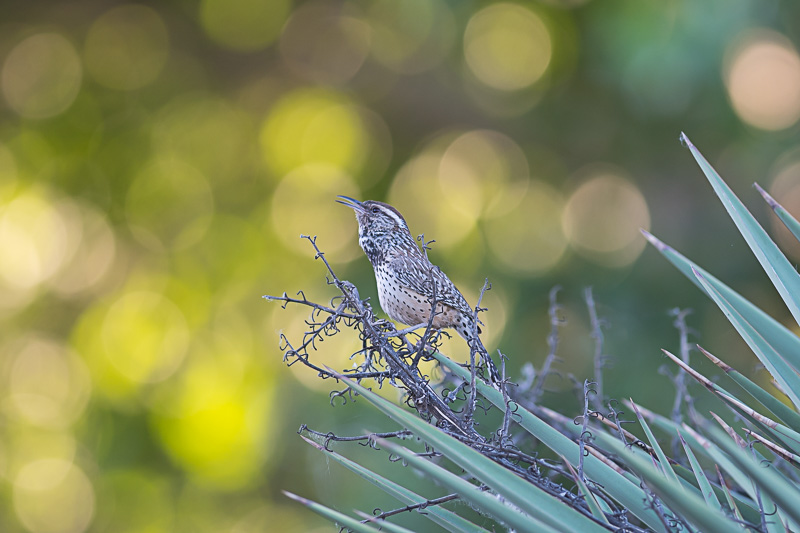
(406, 279)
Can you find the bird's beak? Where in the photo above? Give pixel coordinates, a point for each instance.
(350, 202)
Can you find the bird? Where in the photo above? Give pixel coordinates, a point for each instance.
(407, 281)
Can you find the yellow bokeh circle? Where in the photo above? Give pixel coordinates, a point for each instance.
(314, 126)
(417, 193)
(48, 386)
(126, 47)
(476, 169)
(41, 76)
(762, 75)
(244, 25)
(33, 228)
(214, 419)
(53, 496)
(603, 217)
(507, 46)
(144, 336)
(304, 204)
(528, 239)
(90, 248)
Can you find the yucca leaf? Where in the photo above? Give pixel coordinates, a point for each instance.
(770, 509)
(788, 220)
(488, 503)
(774, 448)
(335, 516)
(626, 492)
(780, 271)
(707, 448)
(532, 501)
(786, 376)
(663, 461)
(594, 507)
(685, 504)
(779, 409)
(787, 435)
(444, 517)
(773, 517)
(384, 525)
(778, 335)
(782, 492)
(705, 485)
(729, 498)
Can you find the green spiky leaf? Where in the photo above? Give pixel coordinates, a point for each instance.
(780, 271)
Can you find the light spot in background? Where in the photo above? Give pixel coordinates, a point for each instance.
(507, 46)
(325, 42)
(221, 407)
(53, 496)
(314, 126)
(418, 195)
(411, 36)
(41, 76)
(91, 248)
(304, 203)
(48, 386)
(169, 205)
(528, 240)
(762, 75)
(13, 296)
(126, 47)
(144, 336)
(244, 25)
(32, 227)
(785, 189)
(27, 443)
(603, 217)
(477, 167)
(209, 133)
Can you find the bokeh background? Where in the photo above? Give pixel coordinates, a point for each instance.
(158, 162)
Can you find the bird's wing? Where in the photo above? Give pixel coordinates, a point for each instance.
(418, 276)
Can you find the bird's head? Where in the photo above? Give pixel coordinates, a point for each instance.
(375, 218)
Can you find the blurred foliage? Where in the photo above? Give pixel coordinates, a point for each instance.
(158, 162)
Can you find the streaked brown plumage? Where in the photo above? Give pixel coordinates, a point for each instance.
(406, 278)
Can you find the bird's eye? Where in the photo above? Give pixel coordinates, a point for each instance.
(375, 209)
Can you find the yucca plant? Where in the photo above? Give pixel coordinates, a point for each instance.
(597, 476)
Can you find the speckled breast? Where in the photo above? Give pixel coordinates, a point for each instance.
(407, 306)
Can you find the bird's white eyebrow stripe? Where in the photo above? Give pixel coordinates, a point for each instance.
(391, 212)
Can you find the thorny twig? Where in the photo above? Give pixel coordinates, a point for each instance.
(508, 412)
(381, 515)
(599, 358)
(552, 345)
(364, 440)
(473, 351)
(424, 245)
(585, 433)
(679, 379)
